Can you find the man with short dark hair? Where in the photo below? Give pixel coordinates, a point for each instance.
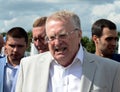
(105, 37)
(15, 47)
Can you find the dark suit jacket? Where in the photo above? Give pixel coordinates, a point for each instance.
(116, 57)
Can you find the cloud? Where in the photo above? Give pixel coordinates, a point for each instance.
(103, 10)
(109, 11)
(22, 21)
(23, 13)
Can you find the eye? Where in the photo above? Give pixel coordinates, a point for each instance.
(52, 38)
(109, 38)
(13, 46)
(112, 38)
(42, 38)
(62, 36)
(20, 46)
(34, 39)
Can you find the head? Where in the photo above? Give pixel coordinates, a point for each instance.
(63, 36)
(16, 44)
(38, 33)
(1, 42)
(105, 37)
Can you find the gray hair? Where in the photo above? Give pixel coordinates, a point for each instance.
(66, 16)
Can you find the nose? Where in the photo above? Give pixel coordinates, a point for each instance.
(57, 41)
(37, 42)
(16, 48)
(114, 42)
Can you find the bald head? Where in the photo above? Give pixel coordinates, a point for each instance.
(1, 42)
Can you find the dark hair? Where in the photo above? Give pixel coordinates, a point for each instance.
(17, 32)
(39, 22)
(97, 27)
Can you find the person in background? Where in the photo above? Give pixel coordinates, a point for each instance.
(67, 66)
(1, 45)
(105, 37)
(38, 35)
(15, 45)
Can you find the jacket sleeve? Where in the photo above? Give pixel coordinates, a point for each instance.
(116, 83)
(19, 80)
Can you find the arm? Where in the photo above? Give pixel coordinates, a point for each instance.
(116, 83)
(19, 80)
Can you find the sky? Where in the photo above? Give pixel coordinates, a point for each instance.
(24, 12)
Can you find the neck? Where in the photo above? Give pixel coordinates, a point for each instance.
(102, 55)
(13, 62)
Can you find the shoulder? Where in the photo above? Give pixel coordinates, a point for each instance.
(36, 62)
(101, 61)
(2, 58)
(2, 61)
(37, 58)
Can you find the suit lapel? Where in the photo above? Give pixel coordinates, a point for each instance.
(45, 73)
(89, 69)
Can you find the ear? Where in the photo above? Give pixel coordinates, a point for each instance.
(95, 39)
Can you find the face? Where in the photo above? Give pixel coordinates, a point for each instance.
(15, 48)
(64, 42)
(39, 39)
(107, 42)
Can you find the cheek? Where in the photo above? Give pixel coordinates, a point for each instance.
(50, 47)
(21, 51)
(74, 44)
(8, 48)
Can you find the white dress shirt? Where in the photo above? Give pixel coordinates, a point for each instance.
(66, 79)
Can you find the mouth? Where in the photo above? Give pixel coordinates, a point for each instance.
(62, 49)
(111, 50)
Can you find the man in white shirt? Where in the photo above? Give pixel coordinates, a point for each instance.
(67, 67)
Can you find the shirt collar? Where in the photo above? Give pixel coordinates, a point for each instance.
(80, 54)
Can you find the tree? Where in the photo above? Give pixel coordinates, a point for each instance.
(88, 44)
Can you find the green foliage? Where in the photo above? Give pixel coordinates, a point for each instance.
(88, 44)
(119, 34)
(29, 40)
(3, 34)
